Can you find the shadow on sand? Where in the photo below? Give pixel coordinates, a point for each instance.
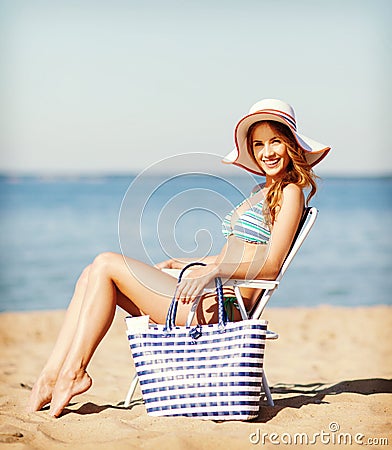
(91, 408)
(298, 395)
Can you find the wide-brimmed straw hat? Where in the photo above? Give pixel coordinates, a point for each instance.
(278, 111)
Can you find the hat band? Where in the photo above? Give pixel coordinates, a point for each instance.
(282, 114)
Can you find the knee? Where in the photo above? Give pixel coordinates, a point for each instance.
(104, 261)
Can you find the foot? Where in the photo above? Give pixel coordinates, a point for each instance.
(68, 385)
(41, 393)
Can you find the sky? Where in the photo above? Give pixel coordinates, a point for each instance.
(97, 87)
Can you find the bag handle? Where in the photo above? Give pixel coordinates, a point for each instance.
(172, 311)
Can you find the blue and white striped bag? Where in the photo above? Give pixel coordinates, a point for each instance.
(207, 371)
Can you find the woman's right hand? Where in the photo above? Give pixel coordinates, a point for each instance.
(168, 264)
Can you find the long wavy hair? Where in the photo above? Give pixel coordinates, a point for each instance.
(298, 170)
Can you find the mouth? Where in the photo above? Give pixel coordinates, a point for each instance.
(271, 163)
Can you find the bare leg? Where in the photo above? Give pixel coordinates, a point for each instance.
(107, 274)
(42, 390)
(43, 387)
(109, 282)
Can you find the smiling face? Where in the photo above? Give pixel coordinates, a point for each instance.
(269, 150)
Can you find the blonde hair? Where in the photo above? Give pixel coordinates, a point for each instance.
(298, 171)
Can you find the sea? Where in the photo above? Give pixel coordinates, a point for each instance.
(52, 227)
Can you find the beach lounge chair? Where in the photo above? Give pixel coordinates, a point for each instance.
(267, 288)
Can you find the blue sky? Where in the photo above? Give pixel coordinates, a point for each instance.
(115, 86)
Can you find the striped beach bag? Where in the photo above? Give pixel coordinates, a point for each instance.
(207, 371)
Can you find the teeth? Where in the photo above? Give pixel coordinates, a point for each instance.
(271, 162)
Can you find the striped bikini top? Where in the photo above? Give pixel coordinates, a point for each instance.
(250, 226)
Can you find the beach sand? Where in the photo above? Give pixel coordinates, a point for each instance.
(330, 367)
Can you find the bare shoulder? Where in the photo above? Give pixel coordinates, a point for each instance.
(293, 195)
(293, 192)
(292, 189)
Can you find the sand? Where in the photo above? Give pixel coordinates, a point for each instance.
(330, 368)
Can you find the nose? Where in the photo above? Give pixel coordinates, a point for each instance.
(268, 151)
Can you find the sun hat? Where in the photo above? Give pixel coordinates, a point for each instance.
(278, 111)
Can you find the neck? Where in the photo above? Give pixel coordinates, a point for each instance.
(269, 181)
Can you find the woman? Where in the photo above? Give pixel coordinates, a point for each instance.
(267, 143)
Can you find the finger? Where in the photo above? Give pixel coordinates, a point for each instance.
(178, 293)
(185, 295)
(192, 293)
(188, 289)
(183, 290)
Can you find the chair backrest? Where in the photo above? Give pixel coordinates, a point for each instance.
(307, 221)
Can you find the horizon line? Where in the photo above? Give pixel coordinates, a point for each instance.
(122, 174)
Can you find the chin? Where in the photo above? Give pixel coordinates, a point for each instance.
(274, 172)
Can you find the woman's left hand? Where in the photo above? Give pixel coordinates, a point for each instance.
(193, 283)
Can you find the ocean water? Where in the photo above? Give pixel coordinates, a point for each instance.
(52, 227)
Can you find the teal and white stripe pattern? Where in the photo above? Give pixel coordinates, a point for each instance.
(217, 375)
(251, 226)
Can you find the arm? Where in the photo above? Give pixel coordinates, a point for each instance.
(283, 231)
(247, 262)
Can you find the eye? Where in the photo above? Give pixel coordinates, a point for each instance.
(257, 144)
(276, 141)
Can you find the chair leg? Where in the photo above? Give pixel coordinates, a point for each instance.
(131, 391)
(267, 391)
